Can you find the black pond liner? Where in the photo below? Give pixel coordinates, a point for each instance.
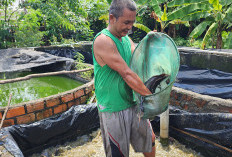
(27, 139)
(24, 140)
(205, 81)
(207, 133)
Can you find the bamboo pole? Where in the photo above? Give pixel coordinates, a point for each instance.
(164, 124)
(6, 109)
(41, 75)
(92, 98)
(203, 139)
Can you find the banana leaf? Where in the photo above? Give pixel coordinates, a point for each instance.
(200, 29)
(179, 13)
(175, 3)
(208, 34)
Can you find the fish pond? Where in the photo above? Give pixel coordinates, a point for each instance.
(34, 88)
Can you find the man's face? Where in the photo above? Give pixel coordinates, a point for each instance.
(124, 23)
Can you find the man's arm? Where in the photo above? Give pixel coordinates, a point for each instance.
(105, 52)
(132, 46)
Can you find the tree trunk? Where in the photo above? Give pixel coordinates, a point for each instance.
(172, 30)
(5, 11)
(219, 38)
(190, 28)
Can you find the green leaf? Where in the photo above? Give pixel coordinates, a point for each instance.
(216, 4)
(178, 21)
(199, 29)
(142, 27)
(179, 13)
(142, 10)
(156, 8)
(175, 3)
(109, 1)
(196, 15)
(225, 2)
(164, 16)
(228, 16)
(141, 2)
(208, 34)
(229, 40)
(104, 17)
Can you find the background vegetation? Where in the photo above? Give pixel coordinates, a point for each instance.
(196, 23)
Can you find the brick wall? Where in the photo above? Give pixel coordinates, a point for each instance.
(194, 102)
(39, 109)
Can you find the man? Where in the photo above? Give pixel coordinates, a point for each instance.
(114, 81)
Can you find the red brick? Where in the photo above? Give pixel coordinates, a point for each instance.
(171, 102)
(70, 104)
(44, 114)
(83, 99)
(189, 98)
(200, 103)
(230, 111)
(79, 93)
(29, 118)
(35, 107)
(186, 107)
(77, 101)
(60, 108)
(176, 96)
(67, 98)
(17, 111)
(8, 122)
(184, 97)
(171, 94)
(88, 89)
(1, 114)
(52, 102)
(177, 103)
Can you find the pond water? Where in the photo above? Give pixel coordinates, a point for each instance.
(36, 88)
(91, 146)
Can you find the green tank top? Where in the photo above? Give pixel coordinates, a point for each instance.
(112, 92)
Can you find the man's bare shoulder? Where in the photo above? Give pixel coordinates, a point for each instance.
(103, 41)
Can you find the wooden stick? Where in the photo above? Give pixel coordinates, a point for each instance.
(43, 74)
(203, 139)
(92, 98)
(6, 109)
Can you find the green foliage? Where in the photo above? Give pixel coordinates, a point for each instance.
(6, 29)
(181, 41)
(97, 9)
(65, 19)
(159, 13)
(27, 33)
(5, 35)
(48, 22)
(81, 65)
(227, 39)
(217, 16)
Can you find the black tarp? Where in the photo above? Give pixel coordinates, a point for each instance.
(215, 128)
(207, 133)
(32, 138)
(205, 81)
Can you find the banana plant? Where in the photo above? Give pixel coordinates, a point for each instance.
(157, 14)
(217, 17)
